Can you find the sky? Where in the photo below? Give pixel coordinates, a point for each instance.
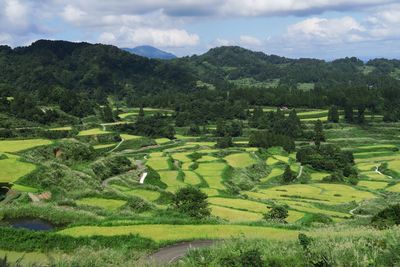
(325, 29)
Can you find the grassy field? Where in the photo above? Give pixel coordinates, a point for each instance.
(275, 172)
(372, 184)
(13, 146)
(394, 188)
(12, 169)
(234, 215)
(240, 160)
(191, 178)
(170, 179)
(104, 203)
(166, 232)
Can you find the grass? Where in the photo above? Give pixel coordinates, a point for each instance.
(272, 161)
(12, 169)
(94, 131)
(240, 160)
(310, 208)
(66, 128)
(25, 258)
(282, 158)
(167, 232)
(23, 188)
(127, 114)
(207, 158)
(211, 169)
(13, 146)
(214, 182)
(192, 178)
(145, 194)
(104, 203)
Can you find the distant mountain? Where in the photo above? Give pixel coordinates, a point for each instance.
(150, 52)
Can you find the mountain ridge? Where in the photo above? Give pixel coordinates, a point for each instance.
(150, 52)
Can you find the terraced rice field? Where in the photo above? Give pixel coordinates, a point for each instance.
(94, 131)
(318, 176)
(158, 163)
(11, 169)
(212, 174)
(372, 184)
(240, 160)
(170, 178)
(161, 141)
(182, 156)
(13, 146)
(128, 137)
(207, 158)
(275, 172)
(104, 146)
(234, 215)
(25, 258)
(331, 193)
(192, 178)
(167, 232)
(310, 208)
(394, 188)
(145, 194)
(104, 203)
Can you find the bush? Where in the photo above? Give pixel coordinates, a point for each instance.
(277, 213)
(387, 217)
(111, 166)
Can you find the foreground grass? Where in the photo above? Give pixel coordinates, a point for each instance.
(164, 232)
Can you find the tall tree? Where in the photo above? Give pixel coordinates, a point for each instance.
(333, 114)
(348, 113)
(318, 133)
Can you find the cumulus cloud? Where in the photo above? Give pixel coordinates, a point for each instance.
(247, 40)
(162, 38)
(345, 29)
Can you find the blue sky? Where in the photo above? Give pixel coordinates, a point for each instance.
(295, 28)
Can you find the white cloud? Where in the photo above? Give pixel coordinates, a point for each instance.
(345, 29)
(247, 40)
(73, 14)
(130, 37)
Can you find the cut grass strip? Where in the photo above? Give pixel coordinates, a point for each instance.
(94, 131)
(234, 215)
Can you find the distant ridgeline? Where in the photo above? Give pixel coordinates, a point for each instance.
(76, 77)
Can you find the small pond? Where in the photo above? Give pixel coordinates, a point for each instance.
(31, 224)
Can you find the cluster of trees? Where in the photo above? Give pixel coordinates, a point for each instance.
(265, 139)
(277, 122)
(156, 125)
(328, 157)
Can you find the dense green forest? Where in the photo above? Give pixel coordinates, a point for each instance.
(77, 77)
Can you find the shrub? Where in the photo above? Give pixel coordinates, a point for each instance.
(277, 213)
(387, 217)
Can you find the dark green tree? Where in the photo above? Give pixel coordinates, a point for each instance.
(333, 114)
(191, 201)
(288, 175)
(348, 113)
(318, 133)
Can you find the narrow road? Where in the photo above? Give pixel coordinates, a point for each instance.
(142, 177)
(173, 253)
(359, 215)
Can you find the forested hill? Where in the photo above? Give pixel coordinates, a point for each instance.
(247, 68)
(78, 76)
(90, 68)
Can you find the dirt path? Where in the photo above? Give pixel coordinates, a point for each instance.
(300, 172)
(120, 143)
(359, 215)
(378, 172)
(171, 254)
